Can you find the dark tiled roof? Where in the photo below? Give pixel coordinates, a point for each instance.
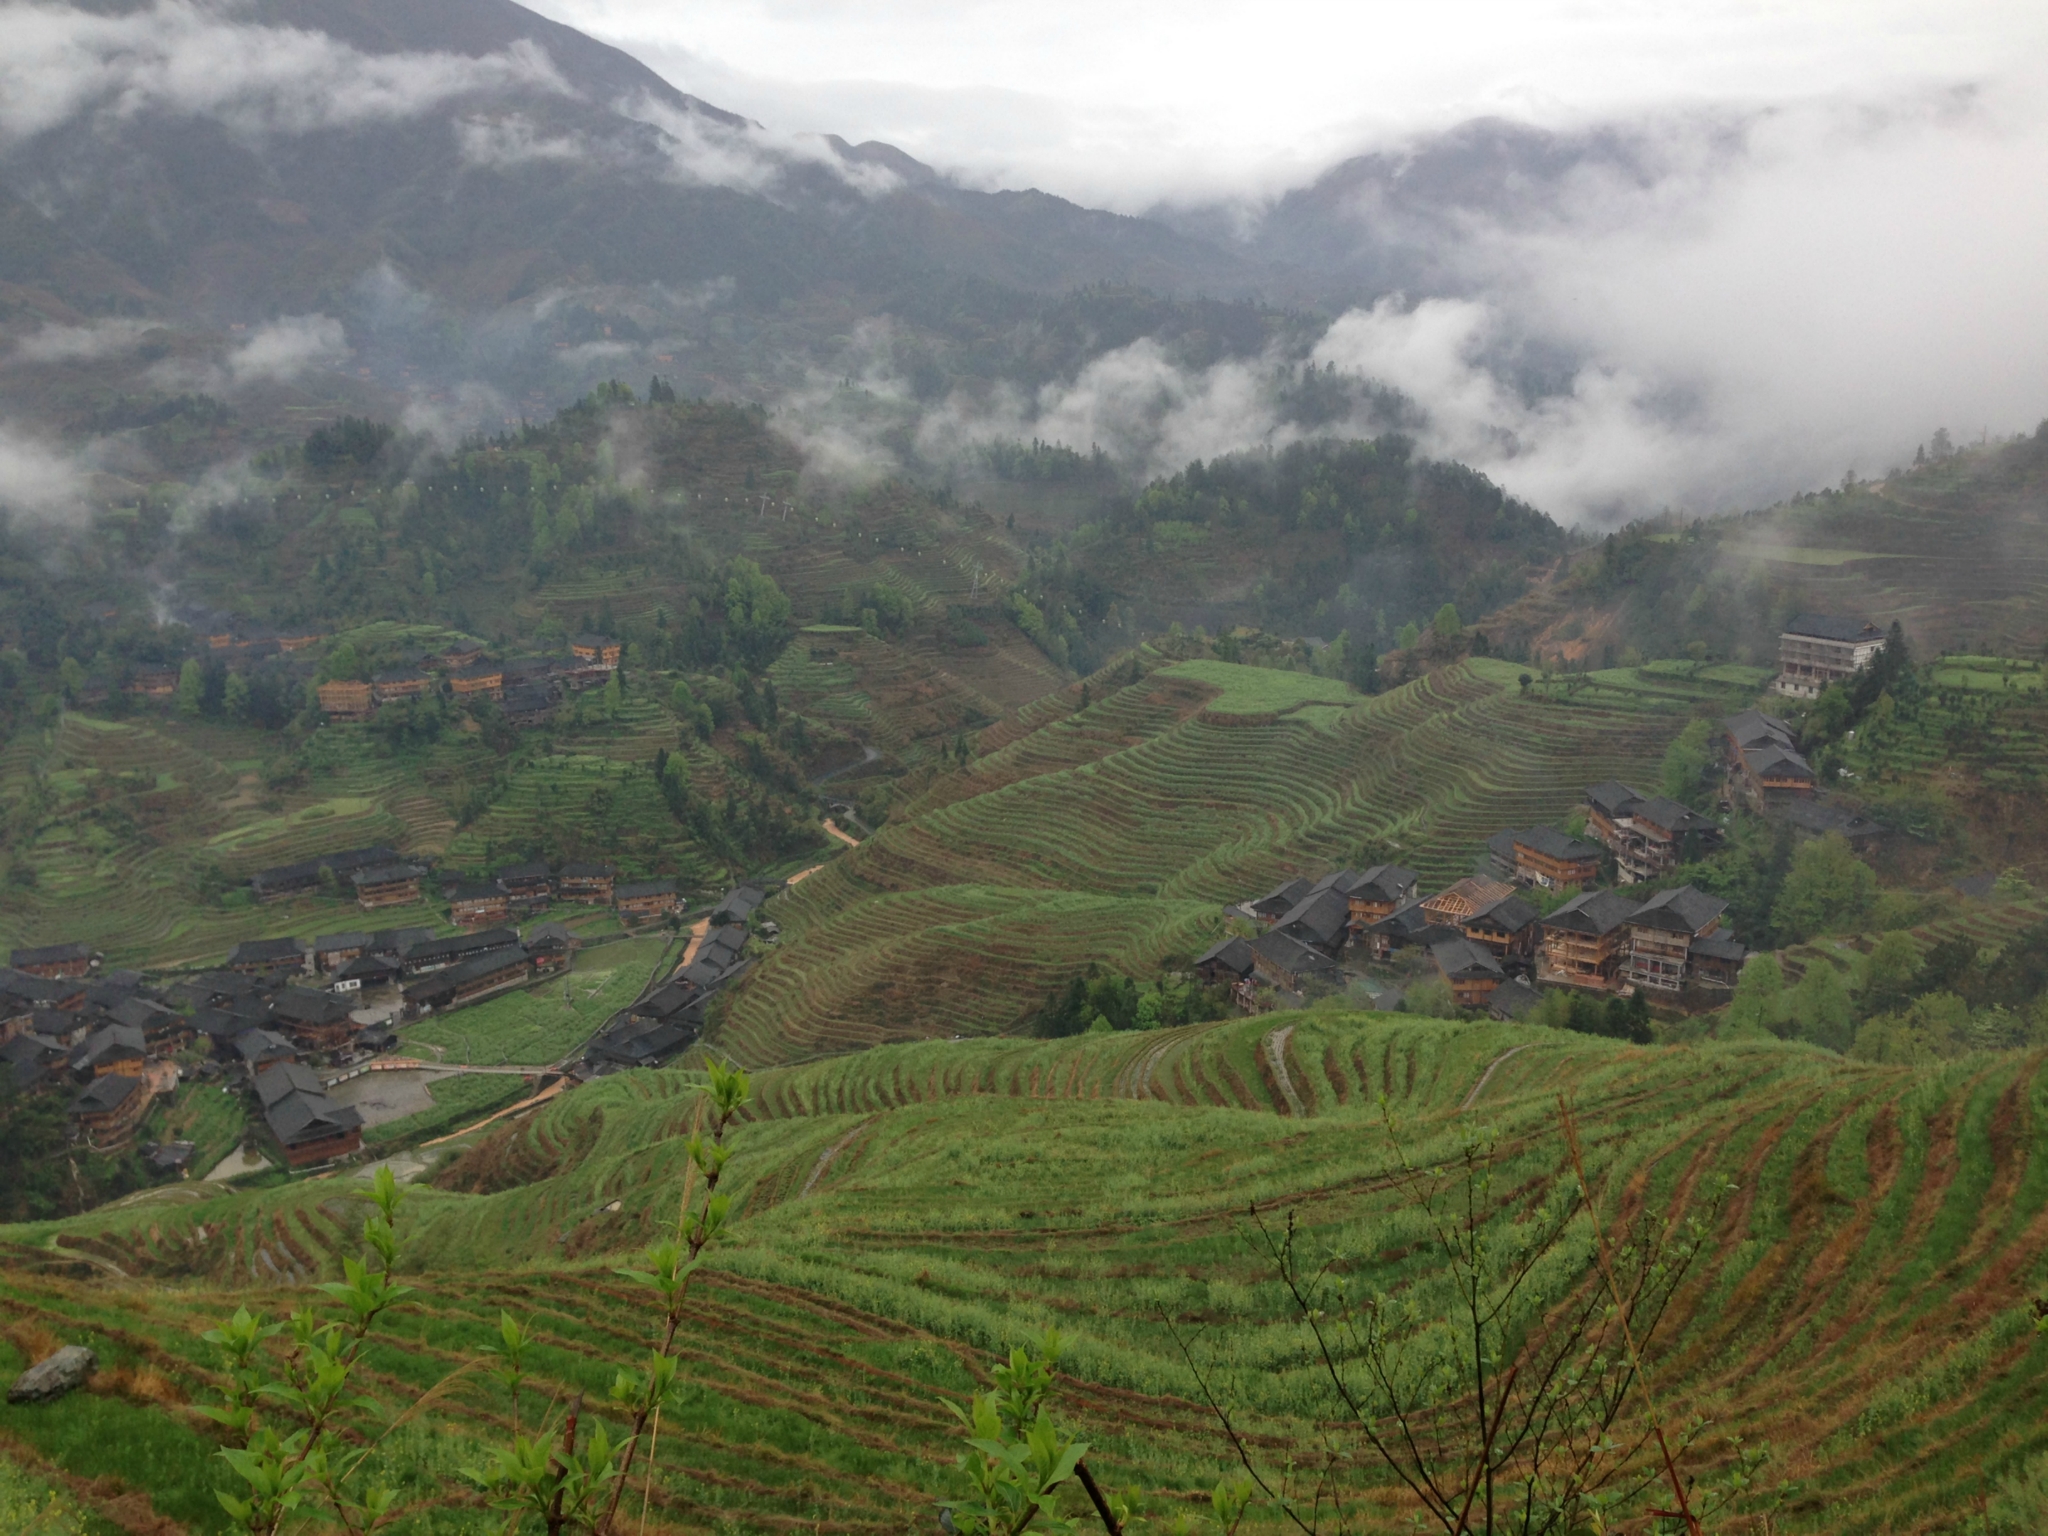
(1233, 954)
(1291, 954)
(300, 1117)
(1823, 626)
(524, 874)
(1513, 998)
(586, 871)
(1595, 912)
(106, 1093)
(329, 942)
(1284, 895)
(1511, 914)
(1323, 917)
(112, 1043)
(1818, 817)
(51, 954)
(265, 951)
(1720, 947)
(1683, 910)
(287, 1077)
(301, 1005)
(1461, 959)
(644, 888)
(385, 874)
(1667, 814)
(1553, 844)
(1613, 798)
(256, 1045)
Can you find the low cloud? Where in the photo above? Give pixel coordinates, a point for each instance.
(702, 151)
(79, 343)
(39, 482)
(184, 59)
(458, 413)
(502, 142)
(284, 349)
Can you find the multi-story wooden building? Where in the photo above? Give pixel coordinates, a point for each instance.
(640, 900)
(1764, 759)
(346, 700)
(109, 1108)
(479, 905)
(1472, 972)
(1649, 835)
(258, 957)
(1376, 893)
(589, 884)
(387, 885)
(403, 683)
(1507, 929)
(1661, 935)
(479, 680)
(1544, 856)
(601, 650)
(1585, 941)
(1817, 649)
(1453, 905)
(53, 961)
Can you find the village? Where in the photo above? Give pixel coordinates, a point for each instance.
(1490, 944)
(285, 1019)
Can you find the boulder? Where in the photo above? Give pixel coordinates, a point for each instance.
(54, 1376)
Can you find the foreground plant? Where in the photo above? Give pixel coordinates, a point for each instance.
(1017, 1459)
(1525, 1405)
(304, 1436)
(279, 1470)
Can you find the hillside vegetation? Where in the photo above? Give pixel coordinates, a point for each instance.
(1863, 1310)
(1111, 825)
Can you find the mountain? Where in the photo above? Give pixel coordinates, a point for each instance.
(488, 156)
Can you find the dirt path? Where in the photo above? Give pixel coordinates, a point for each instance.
(698, 930)
(829, 1156)
(1487, 1076)
(511, 1109)
(845, 837)
(1276, 1058)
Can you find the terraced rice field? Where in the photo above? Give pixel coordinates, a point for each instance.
(1146, 812)
(1862, 1310)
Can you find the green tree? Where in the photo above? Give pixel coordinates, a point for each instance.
(1685, 763)
(1820, 1008)
(1759, 996)
(1407, 635)
(235, 697)
(1889, 971)
(756, 613)
(1447, 624)
(1828, 889)
(191, 687)
(70, 679)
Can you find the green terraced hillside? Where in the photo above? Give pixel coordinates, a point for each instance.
(1863, 1309)
(1114, 833)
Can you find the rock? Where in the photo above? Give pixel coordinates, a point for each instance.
(54, 1376)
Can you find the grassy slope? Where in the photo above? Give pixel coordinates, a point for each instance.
(1862, 1310)
(1113, 833)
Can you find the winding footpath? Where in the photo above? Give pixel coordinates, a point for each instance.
(1276, 1058)
(1487, 1076)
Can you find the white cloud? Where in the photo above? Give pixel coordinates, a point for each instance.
(467, 408)
(37, 481)
(284, 349)
(194, 60)
(499, 142)
(703, 151)
(79, 343)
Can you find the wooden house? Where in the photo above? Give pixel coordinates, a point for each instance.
(739, 904)
(1717, 960)
(589, 885)
(1765, 758)
(1283, 897)
(1546, 857)
(387, 885)
(364, 971)
(53, 961)
(551, 945)
(478, 905)
(1513, 1000)
(259, 957)
(454, 656)
(1507, 929)
(117, 1048)
(1287, 963)
(298, 638)
(599, 649)
(1225, 964)
(305, 876)
(1321, 919)
(308, 1125)
(641, 900)
(154, 682)
(316, 1021)
(527, 885)
(331, 951)
(1649, 835)
(260, 1048)
(479, 680)
(109, 1108)
(1377, 892)
(436, 954)
(1454, 904)
(1662, 933)
(346, 700)
(1472, 972)
(1585, 941)
(467, 981)
(402, 683)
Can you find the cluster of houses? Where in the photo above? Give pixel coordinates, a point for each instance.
(279, 1009)
(526, 688)
(1489, 942)
(114, 1041)
(672, 1015)
(382, 877)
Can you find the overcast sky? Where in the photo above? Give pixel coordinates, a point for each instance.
(1122, 104)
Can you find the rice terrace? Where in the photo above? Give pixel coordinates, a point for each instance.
(1122, 801)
